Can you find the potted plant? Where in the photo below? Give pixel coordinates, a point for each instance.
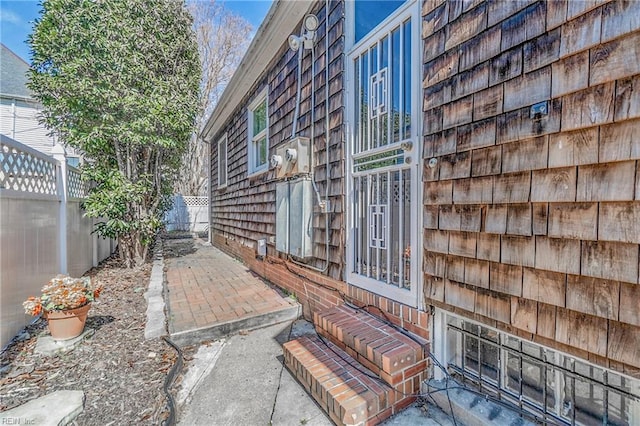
(65, 302)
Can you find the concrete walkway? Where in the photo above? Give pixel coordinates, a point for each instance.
(211, 295)
(249, 386)
(245, 383)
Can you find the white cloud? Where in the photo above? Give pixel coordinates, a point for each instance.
(7, 16)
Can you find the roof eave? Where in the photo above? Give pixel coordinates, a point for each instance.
(280, 22)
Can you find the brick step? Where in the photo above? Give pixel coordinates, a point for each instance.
(345, 390)
(388, 353)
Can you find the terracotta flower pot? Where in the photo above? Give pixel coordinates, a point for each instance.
(65, 325)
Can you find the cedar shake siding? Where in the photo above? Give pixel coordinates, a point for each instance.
(530, 173)
(244, 211)
(531, 219)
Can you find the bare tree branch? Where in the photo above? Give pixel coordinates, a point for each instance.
(222, 37)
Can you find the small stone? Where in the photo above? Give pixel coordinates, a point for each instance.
(47, 346)
(23, 336)
(19, 371)
(152, 355)
(56, 408)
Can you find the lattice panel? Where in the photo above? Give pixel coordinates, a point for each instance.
(21, 170)
(195, 201)
(76, 187)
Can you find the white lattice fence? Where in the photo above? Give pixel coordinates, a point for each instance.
(44, 231)
(25, 169)
(189, 213)
(195, 201)
(76, 187)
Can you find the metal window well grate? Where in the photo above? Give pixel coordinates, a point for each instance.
(548, 383)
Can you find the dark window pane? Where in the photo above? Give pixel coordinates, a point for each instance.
(395, 84)
(406, 211)
(490, 361)
(513, 373)
(365, 102)
(260, 118)
(532, 381)
(384, 65)
(261, 158)
(358, 104)
(471, 353)
(589, 402)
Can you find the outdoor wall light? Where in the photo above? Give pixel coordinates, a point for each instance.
(291, 155)
(310, 24)
(294, 42)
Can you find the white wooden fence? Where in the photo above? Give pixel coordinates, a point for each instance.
(189, 213)
(43, 231)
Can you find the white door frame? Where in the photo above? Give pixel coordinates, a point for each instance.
(412, 297)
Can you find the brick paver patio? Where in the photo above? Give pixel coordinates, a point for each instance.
(207, 288)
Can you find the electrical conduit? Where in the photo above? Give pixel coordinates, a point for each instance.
(327, 135)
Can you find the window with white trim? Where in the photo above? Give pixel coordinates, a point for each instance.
(258, 134)
(222, 162)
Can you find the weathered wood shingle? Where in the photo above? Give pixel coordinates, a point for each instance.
(245, 210)
(553, 250)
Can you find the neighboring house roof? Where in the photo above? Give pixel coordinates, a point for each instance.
(19, 115)
(280, 22)
(13, 74)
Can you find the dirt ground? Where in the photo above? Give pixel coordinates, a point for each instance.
(121, 373)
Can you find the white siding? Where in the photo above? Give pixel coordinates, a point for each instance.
(19, 121)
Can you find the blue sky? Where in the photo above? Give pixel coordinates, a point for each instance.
(17, 16)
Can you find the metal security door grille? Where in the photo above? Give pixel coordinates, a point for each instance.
(382, 174)
(383, 104)
(382, 214)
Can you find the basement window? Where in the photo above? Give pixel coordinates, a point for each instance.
(549, 384)
(258, 135)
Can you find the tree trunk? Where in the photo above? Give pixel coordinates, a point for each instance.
(133, 252)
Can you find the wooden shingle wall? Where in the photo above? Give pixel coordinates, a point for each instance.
(244, 211)
(532, 223)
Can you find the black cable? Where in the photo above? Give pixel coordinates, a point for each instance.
(446, 384)
(453, 416)
(506, 404)
(448, 377)
(168, 381)
(299, 275)
(347, 300)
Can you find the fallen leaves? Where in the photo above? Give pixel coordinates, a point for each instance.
(121, 381)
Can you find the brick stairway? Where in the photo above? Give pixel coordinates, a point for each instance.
(359, 369)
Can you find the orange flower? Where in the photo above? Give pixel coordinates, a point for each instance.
(61, 293)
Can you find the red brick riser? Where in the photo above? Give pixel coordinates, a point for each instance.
(317, 292)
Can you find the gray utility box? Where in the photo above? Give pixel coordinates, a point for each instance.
(294, 217)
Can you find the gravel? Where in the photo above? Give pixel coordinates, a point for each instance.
(121, 373)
